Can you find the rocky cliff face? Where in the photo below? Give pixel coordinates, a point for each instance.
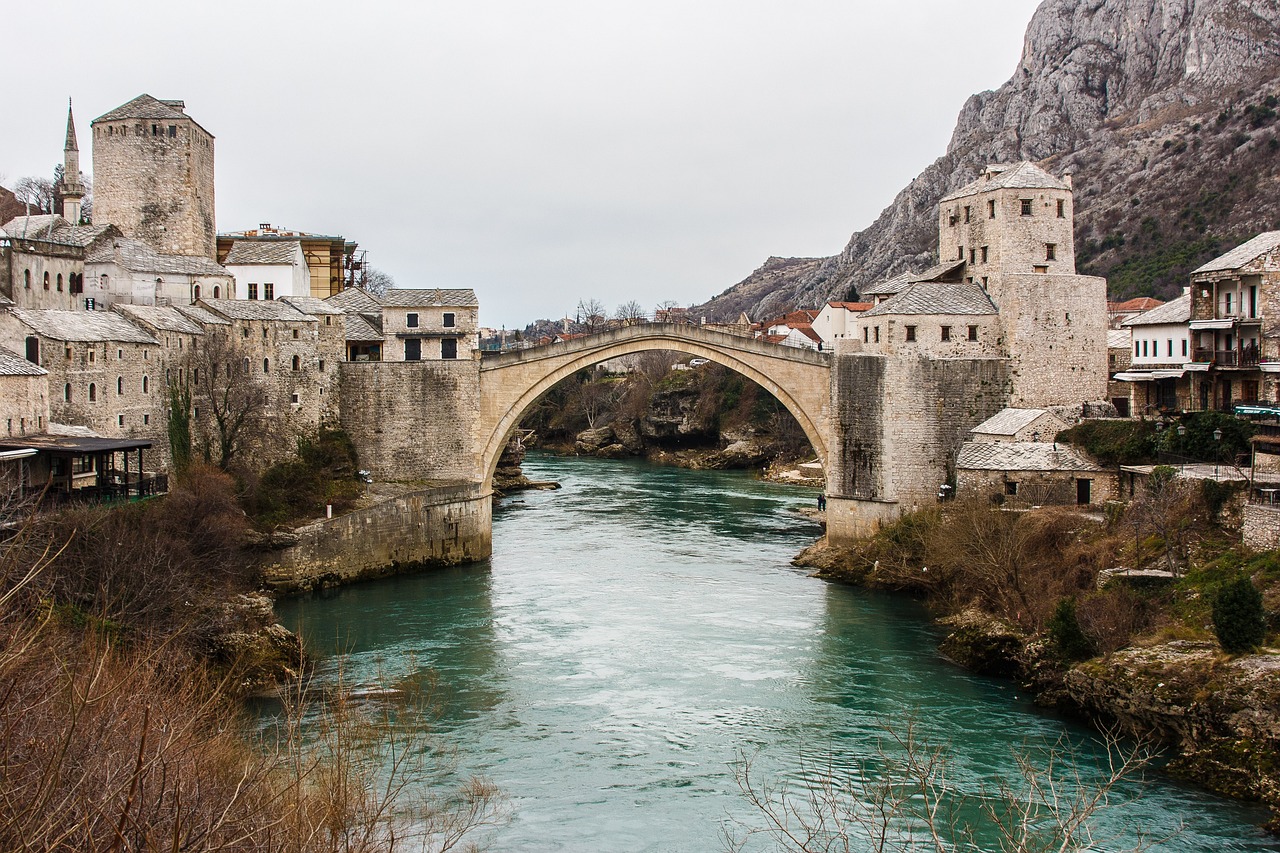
(1163, 110)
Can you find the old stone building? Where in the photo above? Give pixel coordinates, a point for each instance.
(1159, 349)
(428, 324)
(333, 263)
(24, 395)
(120, 270)
(153, 176)
(42, 260)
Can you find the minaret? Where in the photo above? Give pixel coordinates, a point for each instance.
(71, 190)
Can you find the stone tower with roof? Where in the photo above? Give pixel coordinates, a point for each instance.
(70, 189)
(153, 176)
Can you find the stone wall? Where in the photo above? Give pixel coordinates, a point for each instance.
(413, 420)
(1038, 488)
(1057, 338)
(36, 274)
(1260, 527)
(24, 404)
(437, 526)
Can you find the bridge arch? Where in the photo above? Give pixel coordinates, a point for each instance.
(511, 382)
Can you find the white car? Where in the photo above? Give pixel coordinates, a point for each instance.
(698, 362)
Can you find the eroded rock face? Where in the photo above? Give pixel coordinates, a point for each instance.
(1125, 95)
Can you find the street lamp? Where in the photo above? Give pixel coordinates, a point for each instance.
(1217, 456)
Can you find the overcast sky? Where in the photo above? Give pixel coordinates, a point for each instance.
(540, 152)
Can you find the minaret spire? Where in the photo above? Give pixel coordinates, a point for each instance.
(71, 191)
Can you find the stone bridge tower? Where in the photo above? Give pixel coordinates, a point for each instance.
(153, 176)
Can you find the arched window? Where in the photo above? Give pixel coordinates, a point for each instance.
(59, 282)
(217, 291)
(66, 392)
(266, 365)
(145, 385)
(26, 279)
(93, 392)
(246, 368)
(297, 363)
(46, 280)
(196, 290)
(120, 385)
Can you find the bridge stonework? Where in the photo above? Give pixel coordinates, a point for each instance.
(885, 428)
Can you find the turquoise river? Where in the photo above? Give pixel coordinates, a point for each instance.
(638, 630)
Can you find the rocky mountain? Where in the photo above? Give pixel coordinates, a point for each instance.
(1165, 113)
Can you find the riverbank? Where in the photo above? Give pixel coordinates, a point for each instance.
(1144, 659)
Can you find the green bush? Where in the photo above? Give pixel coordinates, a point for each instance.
(1114, 442)
(323, 472)
(1066, 634)
(1239, 619)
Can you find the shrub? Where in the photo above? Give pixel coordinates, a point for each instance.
(1238, 616)
(323, 472)
(1066, 634)
(1114, 442)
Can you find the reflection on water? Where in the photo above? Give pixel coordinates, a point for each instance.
(638, 630)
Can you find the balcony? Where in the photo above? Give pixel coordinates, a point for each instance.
(1246, 356)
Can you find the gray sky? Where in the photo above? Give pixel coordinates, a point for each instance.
(539, 152)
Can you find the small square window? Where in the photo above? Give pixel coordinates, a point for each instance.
(1011, 487)
(973, 333)
(1026, 206)
(449, 320)
(293, 398)
(173, 131)
(411, 320)
(911, 333)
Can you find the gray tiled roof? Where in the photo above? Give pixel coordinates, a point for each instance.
(82, 326)
(360, 329)
(311, 305)
(936, 272)
(1022, 456)
(1174, 311)
(354, 299)
(12, 364)
(263, 252)
(201, 316)
(55, 229)
(257, 309)
(143, 106)
(1119, 339)
(137, 256)
(1024, 175)
(1008, 421)
(164, 318)
(404, 297)
(937, 298)
(890, 286)
(1242, 254)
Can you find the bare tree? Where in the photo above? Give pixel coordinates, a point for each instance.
(630, 313)
(902, 799)
(590, 316)
(36, 192)
(376, 281)
(226, 398)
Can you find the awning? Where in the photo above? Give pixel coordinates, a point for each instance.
(1225, 323)
(1197, 366)
(1148, 375)
(1269, 366)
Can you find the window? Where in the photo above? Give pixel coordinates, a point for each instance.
(328, 321)
(946, 333)
(146, 385)
(413, 350)
(253, 290)
(411, 320)
(866, 334)
(449, 320)
(245, 331)
(119, 355)
(1050, 251)
(93, 392)
(1228, 300)
(217, 291)
(966, 213)
(983, 250)
(911, 333)
(1184, 347)
(93, 354)
(322, 365)
(297, 363)
(196, 291)
(66, 392)
(959, 253)
(146, 419)
(1010, 487)
(155, 130)
(264, 332)
(295, 334)
(1062, 209)
(991, 209)
(33, 349)
(268, 290)
(1144, 349)
(973, 256)
(46, 280)
(59, 282)
(119, 385)
(26, 279)
(68, 353)
(120, 419)
(173, 131)
(973, 333)
(293, 398)
(1040, 268)
(266, 365)
(1135, 349)
(1026, 206)
(877, 334)
(1169, 348)
(449, 348)
(195, 374)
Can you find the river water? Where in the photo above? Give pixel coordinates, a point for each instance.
(637, 631)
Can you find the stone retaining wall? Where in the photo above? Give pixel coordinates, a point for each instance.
(1260, 527)
(438, 526)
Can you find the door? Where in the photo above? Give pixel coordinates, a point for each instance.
(449, 348)
(1084, 490)
(413, 349)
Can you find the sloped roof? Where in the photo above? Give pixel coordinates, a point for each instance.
(1137, 303)
(404, 297)
(137, 256)
(354, 299)
(888, 286)
(246, 252)
(1119, 339)
(853, 306)
(1174, 311)
(311, 305)
(164, 318)
(82, 325)
(55, 229)
(144, 106)
(1023, 175)
(358, 328)
(1242, 254)
(1009, 421)
(936, 272)
(937, 298)
(1022, 456)
(201, 316)
(257, 309)
(12, 364)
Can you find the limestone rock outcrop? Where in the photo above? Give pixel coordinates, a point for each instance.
(1165, 113)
